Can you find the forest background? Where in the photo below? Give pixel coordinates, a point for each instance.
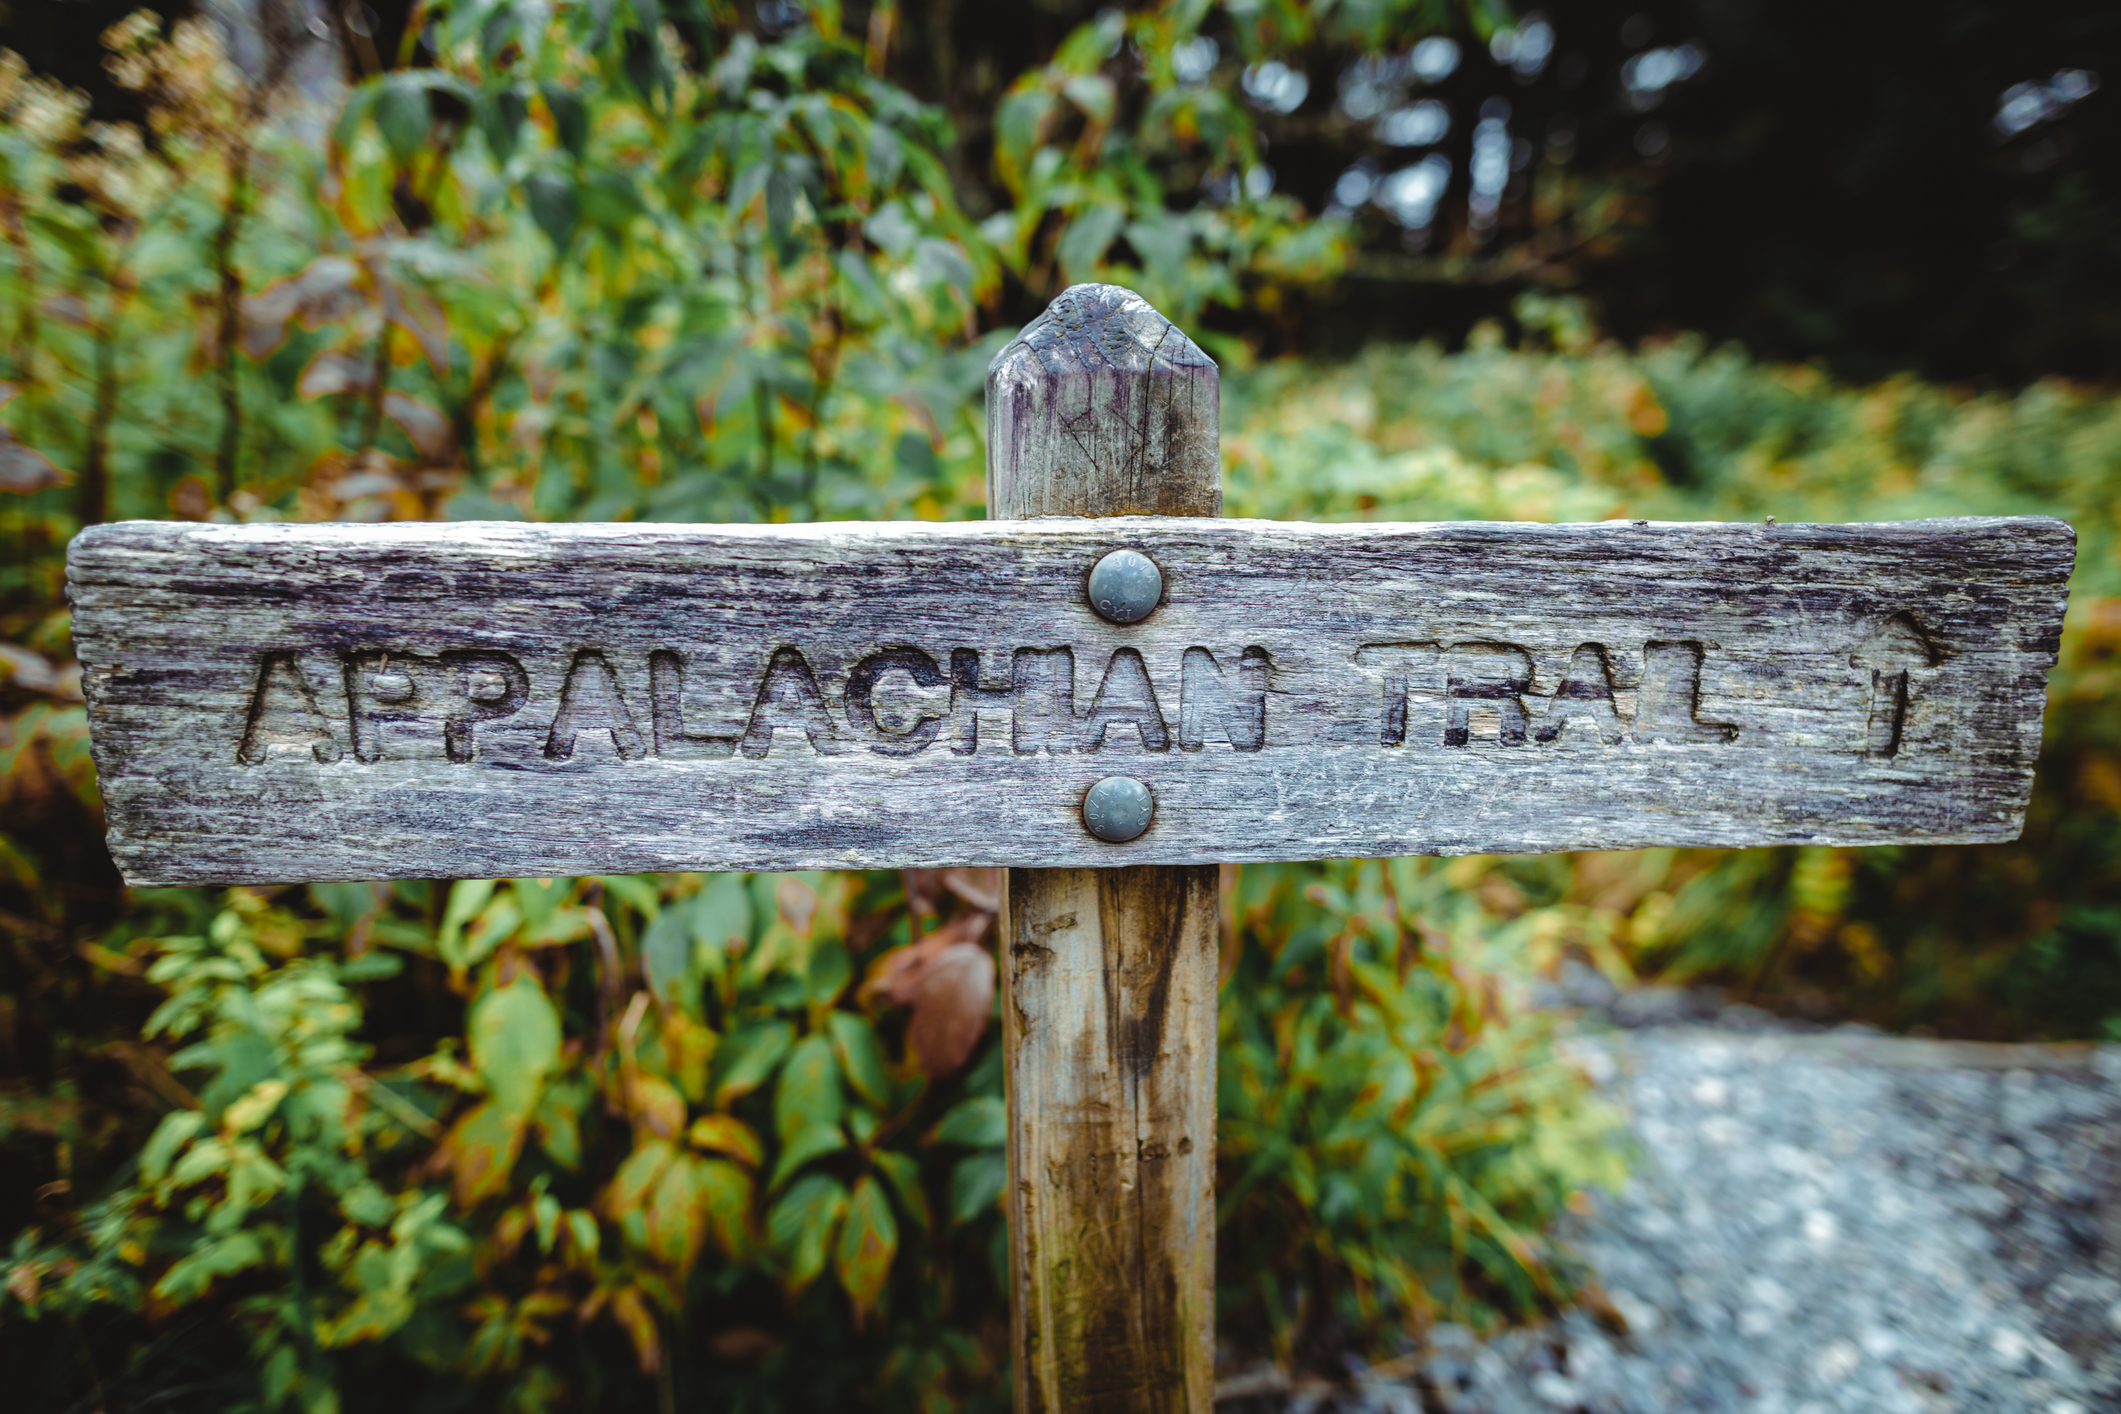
(735, 1141)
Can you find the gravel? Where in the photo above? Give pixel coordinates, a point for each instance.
(1823, 1221)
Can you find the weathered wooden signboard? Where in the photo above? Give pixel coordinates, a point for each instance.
(1109, 679)
(338, 702)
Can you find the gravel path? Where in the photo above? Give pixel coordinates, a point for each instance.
(1834, 1221)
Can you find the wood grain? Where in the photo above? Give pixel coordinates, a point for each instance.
(1101, 408)
(1853, 684)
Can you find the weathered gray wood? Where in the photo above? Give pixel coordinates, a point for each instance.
(1108, 1023)
(1101, 408)
(1856, 684)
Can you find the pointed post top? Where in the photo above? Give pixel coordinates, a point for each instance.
(1102, 406)
(1091, 327)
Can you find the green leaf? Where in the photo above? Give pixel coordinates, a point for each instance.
(481, 1149)
(975, 1184)
(635, 892)
(403, 115)
(831, 969)
(726, 1134)
(570, 118)
(868, 1242)
(727, 1191)
(807, 1144)
(903, 1173)
(515, 1043)
(666, 958)
(555, 206)
(861, 1056)
(1083, 244)
(809, 1094)
(675, 1217)
(467, 899)
(721, 915)
(981, 1122)
(802, 1225)
(748, 1059)
(171, 1135)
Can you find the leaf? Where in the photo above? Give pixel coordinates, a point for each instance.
(558, 1121)
(171, 1135)
(555, 206)
(666, 957)
(721, 915)
(868, 1242)
(658, 1105)
(749, 1057)
(861, 1056)
(904, 1176)
(330, 373)
(427, 430)
(802, 1225)
(948, 980)
(636, 1179)
(1082, 246)
(808, 1144)
(403, 115)
(24, 469)
(631, 1311)
(675, 1216)
(515, 1043)
(256, 1106)
(467, 899)
(727, 1192)
(726, 1134)
(831, 969)
(570, 119)
(809, 1094)
(501, 120)
(982, 888)
(981, 1122)
(481, 1150)
(975, 1184)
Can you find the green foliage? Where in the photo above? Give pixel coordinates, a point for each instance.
(2006, 940)
(1390, 1110)
(556, 1144)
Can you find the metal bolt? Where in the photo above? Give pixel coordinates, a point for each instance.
(1124, 587)
(1118, 809)
(390, 687)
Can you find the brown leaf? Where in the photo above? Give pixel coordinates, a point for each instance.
(322, 294)
(427, 429)
(950, 1014)
(798, 904)
(336, 373)
(634, 1317)
(25, 469)
(417, 314)
(896, 976)
(948, 979)
(982, 888)
(923, 889)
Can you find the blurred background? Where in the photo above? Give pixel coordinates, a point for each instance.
(710, 1140)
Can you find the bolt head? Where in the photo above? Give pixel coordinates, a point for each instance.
(1118, 809)
(390, 687)
(1125, 587)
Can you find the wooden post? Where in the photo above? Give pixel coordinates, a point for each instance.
(1102, 408)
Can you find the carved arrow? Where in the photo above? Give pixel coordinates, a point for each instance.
(1890, 651)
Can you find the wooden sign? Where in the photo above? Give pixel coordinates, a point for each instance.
(284, 703)
(349, 702)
